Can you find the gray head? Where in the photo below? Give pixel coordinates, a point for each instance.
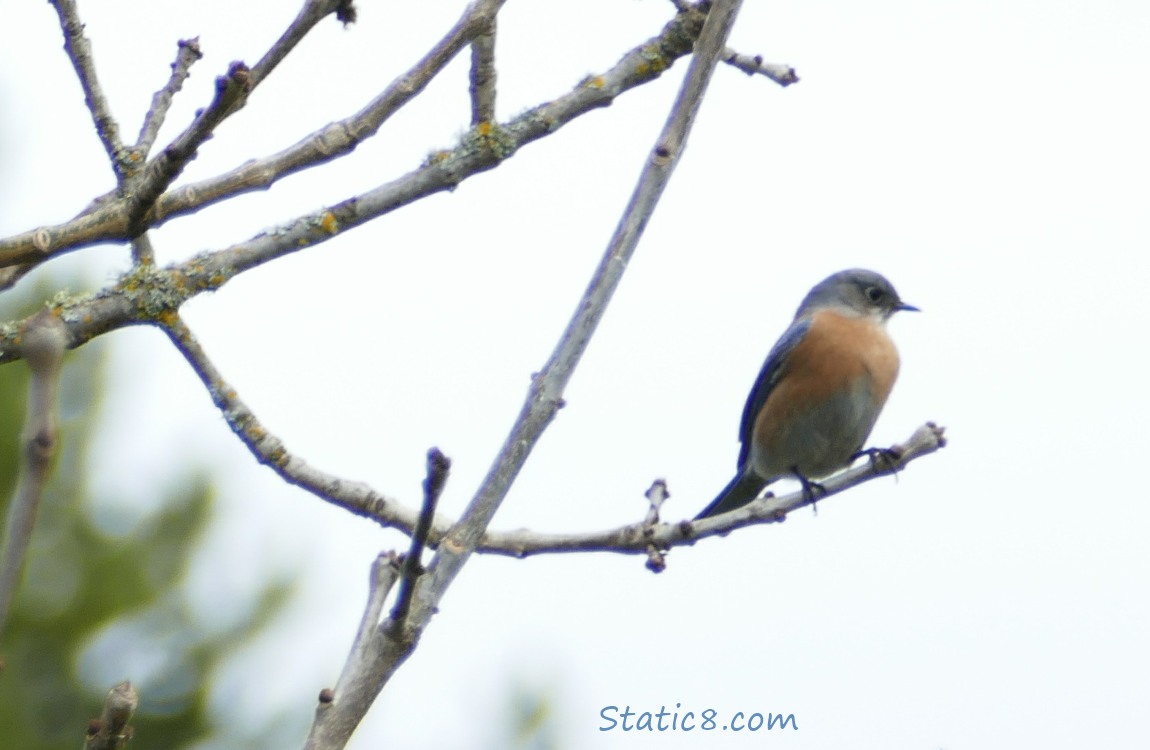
(856, 292)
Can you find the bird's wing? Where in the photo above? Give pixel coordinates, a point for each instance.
(769, 376)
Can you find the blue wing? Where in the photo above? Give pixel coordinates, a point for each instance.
(765, 383)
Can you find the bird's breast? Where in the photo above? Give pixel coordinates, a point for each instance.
(827, 398)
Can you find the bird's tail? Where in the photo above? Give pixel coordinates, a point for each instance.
(741, 490)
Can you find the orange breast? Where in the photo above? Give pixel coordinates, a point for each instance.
(829, 394)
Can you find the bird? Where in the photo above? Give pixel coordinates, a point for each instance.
(820, 389)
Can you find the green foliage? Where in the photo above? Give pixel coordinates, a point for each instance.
(83, 586)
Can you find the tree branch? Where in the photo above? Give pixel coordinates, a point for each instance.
(438, 466)
(636, 539)
(80, 53)
(188, 53)
(312, 13)
(482, 88)
(108, 220)
(784, 75)
(268, 449)
(43, 345)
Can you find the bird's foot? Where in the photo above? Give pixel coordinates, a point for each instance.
(881, 459)
(812, 490)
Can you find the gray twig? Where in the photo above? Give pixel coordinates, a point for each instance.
(268, 449)
(44, 341)
(312, 13)
(189, 52)
(142, 251)
(784, 75)
(482, 88)
(80, 53)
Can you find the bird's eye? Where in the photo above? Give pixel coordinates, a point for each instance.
(873, 293)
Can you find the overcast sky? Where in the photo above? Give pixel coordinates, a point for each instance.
(990, 158)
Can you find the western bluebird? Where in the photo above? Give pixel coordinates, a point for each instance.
(820, 390)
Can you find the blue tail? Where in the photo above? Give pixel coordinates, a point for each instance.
(741, 490)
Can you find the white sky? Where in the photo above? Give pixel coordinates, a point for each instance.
(990, 158)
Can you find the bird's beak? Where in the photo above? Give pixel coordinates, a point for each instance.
(904, 307)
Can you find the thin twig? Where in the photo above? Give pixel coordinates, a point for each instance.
(232, 92)
(268, 449)
(438, 466)
(142, 251)
(111, 730)
(384, 572)
(784, 75)
(44, 341)
(186, 56)
(311, 14)
(482, 87)
(80, 52)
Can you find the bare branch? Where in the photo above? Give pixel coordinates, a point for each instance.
(80, 52)
(784, 75)
(232, 92)
(142, 251)
(438, 466)
(482, 88)
(340, 710)
(44, 340)
(336, 139)
(268, 449)
(188, 54)
(108, 220)
(111, 730)
(311, 14)
(384, 572)
(636, 539)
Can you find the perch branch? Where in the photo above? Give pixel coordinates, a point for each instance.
(637, 538)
